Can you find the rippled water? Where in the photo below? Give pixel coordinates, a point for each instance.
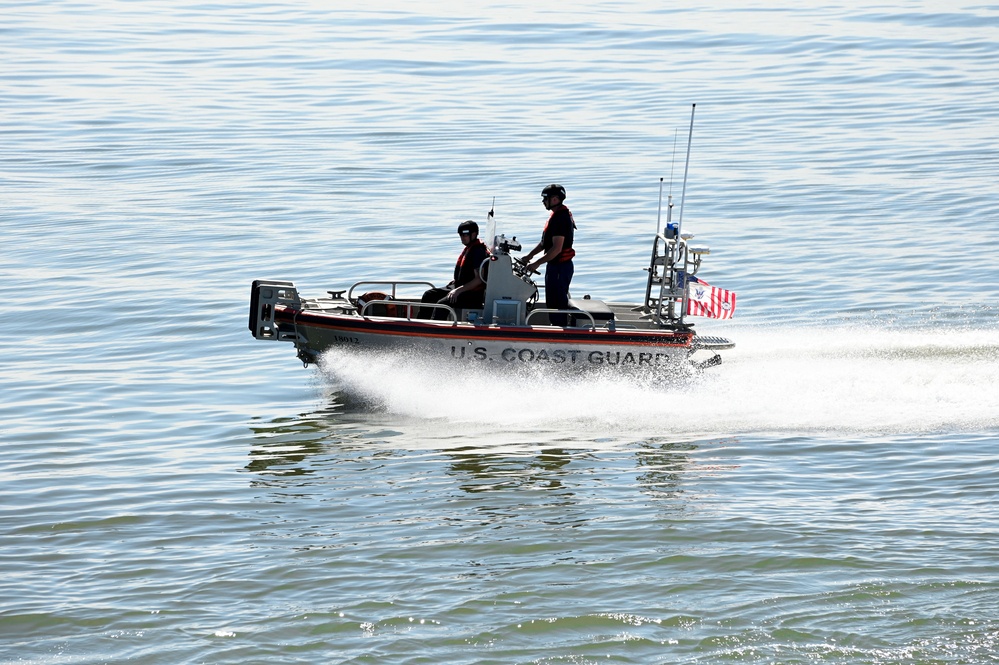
(174, 491)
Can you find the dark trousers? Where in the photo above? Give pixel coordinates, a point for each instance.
(466, 300)
(557, 278)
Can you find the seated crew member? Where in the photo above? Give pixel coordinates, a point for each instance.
(556, 250)
(466, 290)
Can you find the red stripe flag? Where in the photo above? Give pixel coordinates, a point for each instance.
(706, 300)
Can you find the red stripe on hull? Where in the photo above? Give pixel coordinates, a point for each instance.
(415, 329)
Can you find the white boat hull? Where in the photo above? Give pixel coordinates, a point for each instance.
(501, 346)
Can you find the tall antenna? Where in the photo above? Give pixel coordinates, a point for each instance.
(659, 213)
(683, 194)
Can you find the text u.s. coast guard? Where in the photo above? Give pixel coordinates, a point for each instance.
(565, 356)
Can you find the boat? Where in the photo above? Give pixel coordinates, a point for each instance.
(511, 329)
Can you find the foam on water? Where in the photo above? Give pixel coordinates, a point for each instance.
(833, 380)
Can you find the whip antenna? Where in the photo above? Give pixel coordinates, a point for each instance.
(672, 162)
(683, 194)
(669, 206)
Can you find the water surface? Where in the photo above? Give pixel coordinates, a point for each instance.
(174, 491)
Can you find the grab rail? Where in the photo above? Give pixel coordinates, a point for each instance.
(452, 315)
(392, 283)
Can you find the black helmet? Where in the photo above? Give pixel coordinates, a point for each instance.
(557, 190)
(468, 227)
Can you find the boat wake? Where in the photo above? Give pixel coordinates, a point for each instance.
(808, 380)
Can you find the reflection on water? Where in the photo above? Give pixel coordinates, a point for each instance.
(284, 446)
(482, 472)
(350, 444)
(661, 467)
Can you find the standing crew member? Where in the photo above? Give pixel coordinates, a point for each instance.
(466, 290)
(556, 250)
